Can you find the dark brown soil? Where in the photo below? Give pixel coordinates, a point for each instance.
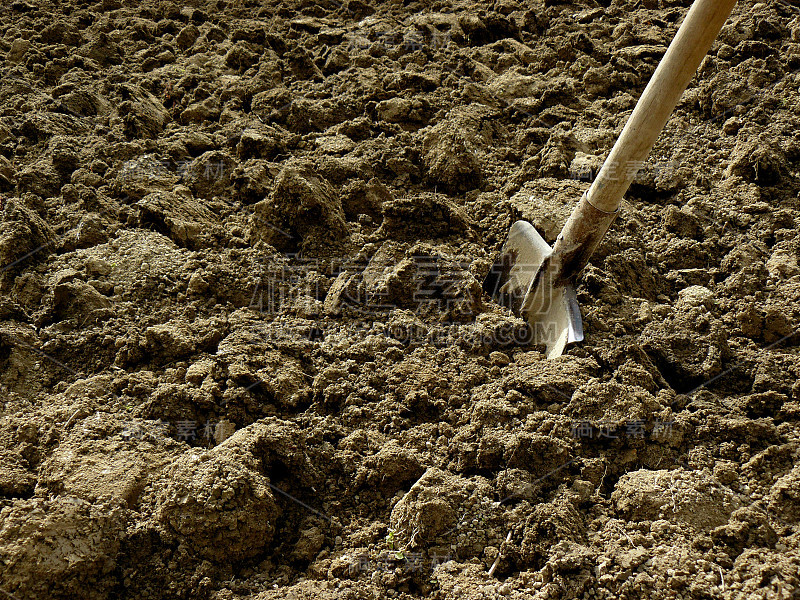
(245, 353)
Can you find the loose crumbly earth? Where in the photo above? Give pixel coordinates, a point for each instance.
(244, 351)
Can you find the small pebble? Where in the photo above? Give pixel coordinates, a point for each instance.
(197, 284)
(499, 359)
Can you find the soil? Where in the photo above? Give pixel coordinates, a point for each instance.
(245, 352)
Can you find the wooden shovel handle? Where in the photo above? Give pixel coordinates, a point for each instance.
(692, 42)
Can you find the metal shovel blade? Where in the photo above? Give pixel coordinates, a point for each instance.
(551, 311)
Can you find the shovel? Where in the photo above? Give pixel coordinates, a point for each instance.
(535, 280)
